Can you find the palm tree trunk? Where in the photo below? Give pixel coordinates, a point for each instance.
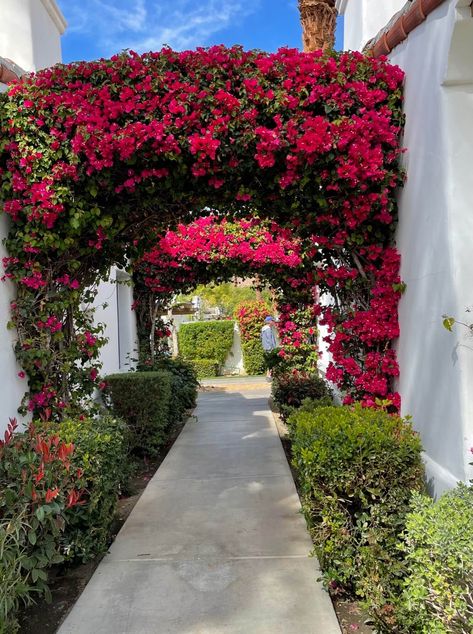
(318, 18)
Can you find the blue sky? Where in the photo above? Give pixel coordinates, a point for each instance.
(99, 28)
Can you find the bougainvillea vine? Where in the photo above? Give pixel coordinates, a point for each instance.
(95, 157)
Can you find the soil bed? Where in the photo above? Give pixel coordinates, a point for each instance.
(67, 583)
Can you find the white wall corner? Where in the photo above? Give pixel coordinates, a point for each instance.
(55, 14)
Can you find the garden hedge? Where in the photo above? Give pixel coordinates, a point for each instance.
(357, 469)
(254, 360)
(184, 385)
(205, 368)
(143, 400)
(206, 340)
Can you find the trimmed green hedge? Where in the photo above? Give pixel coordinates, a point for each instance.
(184, 385)
(206, 340)
(205, 368)
(100, 452)
(438, 547)
(254, 360)
(357, 468)
(143, 400)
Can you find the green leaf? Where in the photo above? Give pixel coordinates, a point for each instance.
(40, 513)
(448, 323)
(36, 574)
(32, 537)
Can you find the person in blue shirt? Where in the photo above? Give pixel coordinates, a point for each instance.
(268, 338)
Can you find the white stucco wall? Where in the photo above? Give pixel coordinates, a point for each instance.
(434, 238)
(434, 235)
(234, 361)
(12, 388)
(113, 309)
(30, 32)
(364, 19)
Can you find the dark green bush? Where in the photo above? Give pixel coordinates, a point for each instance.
(291, 389)
(100, 454)
(357, 469)
(205, 368)
(438, 548)
(310, 405)
(143, 400)
(206, 340)
(254, 360)
(183, 388)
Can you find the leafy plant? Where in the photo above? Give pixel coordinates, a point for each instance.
(142, 400)
(38, 486)
(291, 389)
(206, 340)
(438, 548)
(100, 456)
(358, 468)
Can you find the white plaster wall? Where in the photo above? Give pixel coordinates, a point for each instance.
(435, 226)
(112, 306)
(434, 238)
(127, 329)
(234, 361)
(364, 19)
(12, 387)
(30, 32)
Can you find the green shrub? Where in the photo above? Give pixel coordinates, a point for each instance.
(291, 389)
(206, 340)
(357, 469)
(205, 368)
(254, 360)
(309, 405)
(438, 547)
(184, 386)
(143, 400)
(37, 488)
(100, 455)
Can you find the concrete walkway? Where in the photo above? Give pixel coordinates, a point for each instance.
(216, 543)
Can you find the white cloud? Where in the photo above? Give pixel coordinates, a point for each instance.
(144, 25)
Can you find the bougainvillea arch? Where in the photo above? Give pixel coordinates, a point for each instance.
(96, 157)
(213, 249)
